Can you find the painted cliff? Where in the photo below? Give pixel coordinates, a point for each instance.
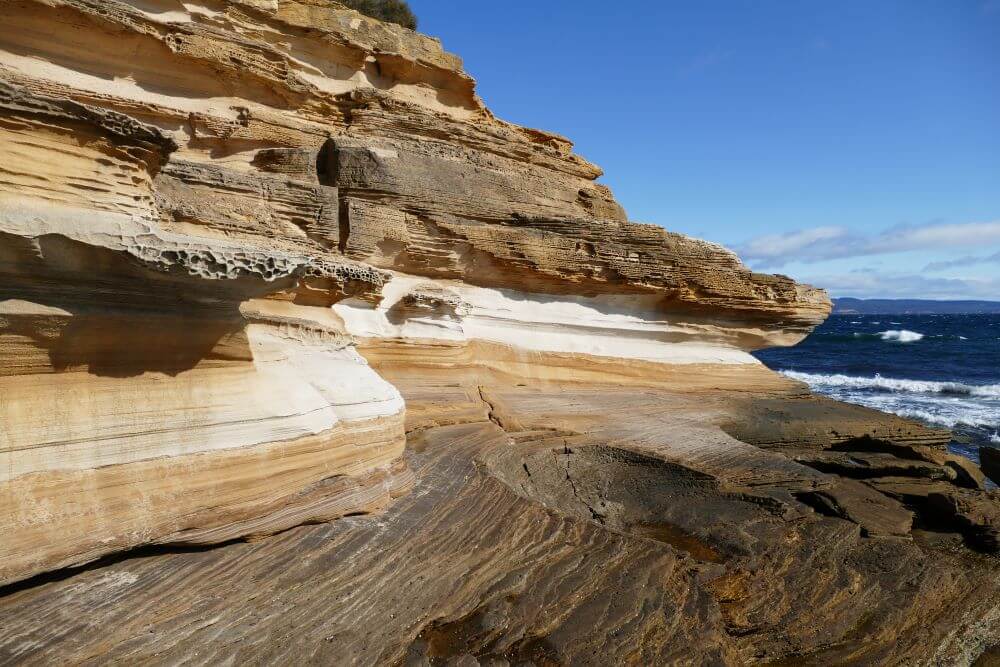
(306, 356)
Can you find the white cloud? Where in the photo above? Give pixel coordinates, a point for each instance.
(962, 262)
(825, 243)
(791, 245)
(868, 284)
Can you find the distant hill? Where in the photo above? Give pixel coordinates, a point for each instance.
(913, 307)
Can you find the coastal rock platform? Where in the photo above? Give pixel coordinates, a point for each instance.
(307, 358)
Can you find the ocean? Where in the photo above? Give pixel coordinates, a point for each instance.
(943, 370)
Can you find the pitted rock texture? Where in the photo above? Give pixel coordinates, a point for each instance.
(266, 264)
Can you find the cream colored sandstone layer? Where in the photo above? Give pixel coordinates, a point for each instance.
(622, 327)
(234, 235)
(205, 205)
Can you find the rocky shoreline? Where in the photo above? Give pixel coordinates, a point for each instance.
(306, 357)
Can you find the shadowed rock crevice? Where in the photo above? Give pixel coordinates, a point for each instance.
(9, 592)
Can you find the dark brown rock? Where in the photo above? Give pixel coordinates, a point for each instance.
(876, 513)
(989, 457)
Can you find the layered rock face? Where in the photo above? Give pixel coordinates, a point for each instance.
(269, 263)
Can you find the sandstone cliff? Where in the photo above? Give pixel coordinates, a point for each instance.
(266, 264)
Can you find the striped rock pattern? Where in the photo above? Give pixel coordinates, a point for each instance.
(307, 357)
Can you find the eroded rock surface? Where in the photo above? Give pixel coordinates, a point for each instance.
(266, 264)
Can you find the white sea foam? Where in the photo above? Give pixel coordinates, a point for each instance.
(945, 404)
(946, 420)
(995, 437)
(901, 335)
(983, 414)
(879, 383)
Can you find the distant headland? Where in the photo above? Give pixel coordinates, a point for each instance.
(913, 307)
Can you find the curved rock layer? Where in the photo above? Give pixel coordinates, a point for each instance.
(270, 263)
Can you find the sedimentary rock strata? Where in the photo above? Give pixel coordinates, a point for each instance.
(266, 264)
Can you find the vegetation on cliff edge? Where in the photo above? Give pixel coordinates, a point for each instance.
(390, 11)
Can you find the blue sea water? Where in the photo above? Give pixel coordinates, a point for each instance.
(941, 369)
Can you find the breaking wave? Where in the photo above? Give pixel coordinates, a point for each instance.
(901, 335)
(890, 336)
(879, 383)
(941, 370)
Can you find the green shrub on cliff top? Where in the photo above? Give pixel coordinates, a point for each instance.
(390, 11)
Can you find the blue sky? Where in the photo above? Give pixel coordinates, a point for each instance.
(851, 143)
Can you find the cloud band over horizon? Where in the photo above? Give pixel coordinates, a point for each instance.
(834, 258)
(820, 244)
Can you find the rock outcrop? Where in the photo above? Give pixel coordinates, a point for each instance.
(266, 264)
